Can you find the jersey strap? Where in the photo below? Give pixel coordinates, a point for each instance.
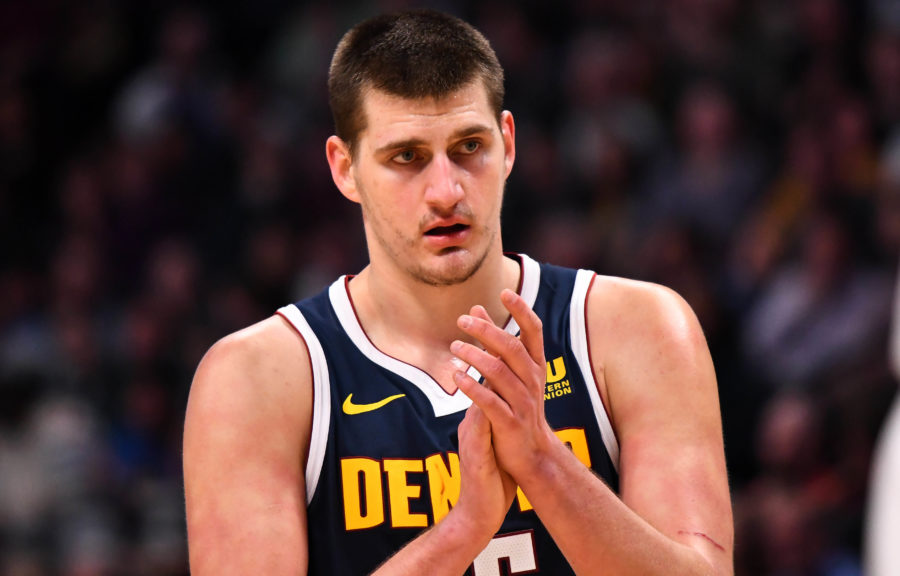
(579, 334)
(321, 397)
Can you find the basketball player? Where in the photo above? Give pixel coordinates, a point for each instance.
(452, 409)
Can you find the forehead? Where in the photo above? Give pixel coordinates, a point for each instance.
(389, 117)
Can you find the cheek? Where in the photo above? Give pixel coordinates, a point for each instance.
(387, 216)
(479, 166)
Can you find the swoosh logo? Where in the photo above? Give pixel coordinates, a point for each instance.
(351, 408)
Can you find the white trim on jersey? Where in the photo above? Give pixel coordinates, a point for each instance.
(321, 418)
(441, 402)
(578, 329)
(531, 281)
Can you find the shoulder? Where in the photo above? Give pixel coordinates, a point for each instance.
(249, 376)
(246, 434)
(269, 346)
(623, 313)
(648, 351)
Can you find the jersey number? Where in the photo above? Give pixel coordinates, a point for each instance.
(517, 550)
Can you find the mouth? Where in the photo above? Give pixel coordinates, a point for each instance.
(451, 230)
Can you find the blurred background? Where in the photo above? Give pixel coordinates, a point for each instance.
(163, 183)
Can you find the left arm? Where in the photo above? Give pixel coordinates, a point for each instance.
(657, 381)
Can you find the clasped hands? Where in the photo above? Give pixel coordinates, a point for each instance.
(504, 436)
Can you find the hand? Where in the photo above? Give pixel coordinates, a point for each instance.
(486, 492)
(515, 371)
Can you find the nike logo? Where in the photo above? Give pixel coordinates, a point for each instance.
(351, 408)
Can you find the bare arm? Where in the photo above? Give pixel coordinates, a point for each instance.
(663, 396)
(674, 515)
(246, 435)
(245, 440)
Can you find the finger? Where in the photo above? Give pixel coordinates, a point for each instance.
(498, 376)
(475, 449)
(475, 425)
(459, 364)
(478, 422)
(479, 311)
(490, 405)
(531, 329)
(501, 344)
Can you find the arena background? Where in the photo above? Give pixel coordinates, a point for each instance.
(163, 183)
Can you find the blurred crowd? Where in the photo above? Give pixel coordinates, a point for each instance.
(163, 183)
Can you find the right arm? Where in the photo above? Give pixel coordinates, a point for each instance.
(246, 434)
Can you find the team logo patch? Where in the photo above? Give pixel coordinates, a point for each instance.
(557, 383)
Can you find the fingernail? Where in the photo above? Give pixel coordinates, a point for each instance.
(455, 347)
(459, 364)
(465, 321)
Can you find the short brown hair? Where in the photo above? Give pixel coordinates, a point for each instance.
(413, 54)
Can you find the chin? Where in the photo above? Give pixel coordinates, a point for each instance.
(452, 269)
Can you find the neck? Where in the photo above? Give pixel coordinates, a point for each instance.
(404, 316)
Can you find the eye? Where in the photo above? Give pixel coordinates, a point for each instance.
(471, 146)
(405, 157)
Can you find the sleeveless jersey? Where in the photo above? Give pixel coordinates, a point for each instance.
(383, 458)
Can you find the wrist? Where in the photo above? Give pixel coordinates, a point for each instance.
(547, 468)
(465, 531)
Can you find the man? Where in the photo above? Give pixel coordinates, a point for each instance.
(354, 432)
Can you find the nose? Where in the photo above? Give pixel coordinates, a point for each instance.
(443, 187)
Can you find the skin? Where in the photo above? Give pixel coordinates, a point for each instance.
(429, 177)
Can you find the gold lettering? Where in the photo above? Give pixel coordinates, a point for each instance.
(444, 483)
(400, 493)
(576, 440)
(370, 471)
(524, 504)
(557, 389)
(556, 370)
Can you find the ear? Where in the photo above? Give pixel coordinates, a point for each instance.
(508, 128)
(338, 153)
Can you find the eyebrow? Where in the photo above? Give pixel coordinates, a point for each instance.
(415, 142)
(471, 131)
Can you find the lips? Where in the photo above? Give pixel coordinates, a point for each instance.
(447, 234)
(448, 230)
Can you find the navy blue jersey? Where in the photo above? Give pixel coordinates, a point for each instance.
(383, 458)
